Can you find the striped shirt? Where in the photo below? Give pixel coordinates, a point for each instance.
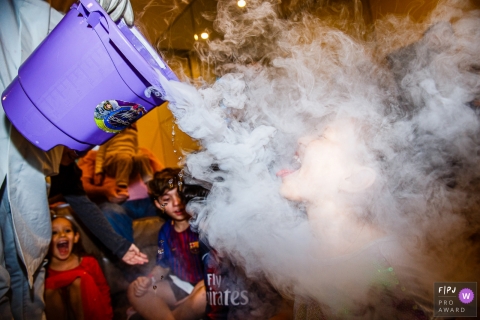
(180, 251)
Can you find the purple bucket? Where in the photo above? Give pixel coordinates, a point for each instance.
(86, 81)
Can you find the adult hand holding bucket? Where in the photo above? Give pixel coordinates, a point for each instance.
(118, 9)
(85, 82)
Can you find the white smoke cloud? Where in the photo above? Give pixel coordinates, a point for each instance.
(411, 99)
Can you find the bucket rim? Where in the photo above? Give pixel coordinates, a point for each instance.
(119, 34)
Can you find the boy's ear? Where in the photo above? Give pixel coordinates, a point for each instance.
(157, 204)
(360, 179)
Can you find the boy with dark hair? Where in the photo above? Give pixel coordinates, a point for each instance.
(174, 288)
(230, 293)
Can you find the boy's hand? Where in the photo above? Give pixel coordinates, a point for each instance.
(141, 285)
(98, 179)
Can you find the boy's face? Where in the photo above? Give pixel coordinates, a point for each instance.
(63, 239)
(172, 205)
(323, 168)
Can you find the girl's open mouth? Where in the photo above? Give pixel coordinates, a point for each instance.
(63, 247)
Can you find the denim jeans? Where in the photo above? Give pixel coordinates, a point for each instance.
(121, 216)
(17, 299)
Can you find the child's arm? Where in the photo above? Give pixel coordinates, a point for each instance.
(157, 274)
(108, 189)
(99, 175)
(160, 271)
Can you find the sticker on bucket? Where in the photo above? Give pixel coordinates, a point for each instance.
(115, 115)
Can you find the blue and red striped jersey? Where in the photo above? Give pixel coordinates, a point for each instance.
(180, 251)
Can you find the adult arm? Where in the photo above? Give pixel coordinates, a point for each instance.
(68, 184)
(93, 218)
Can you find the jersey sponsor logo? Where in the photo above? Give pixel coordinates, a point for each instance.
(219, 297)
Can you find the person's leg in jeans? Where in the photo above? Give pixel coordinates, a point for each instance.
(119, 219)
(5, 310)
(140, 208)
(121, 216)
(25, 302)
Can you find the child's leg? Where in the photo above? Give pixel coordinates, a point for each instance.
(62, 302)
(75, 298)
(141, 165)
(119, 166)
(55, 306)
(155, 303)
(192, 307)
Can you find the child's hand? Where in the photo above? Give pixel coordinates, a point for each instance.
(134, 256)
(98, 179)
(115, 197)
(141, 285)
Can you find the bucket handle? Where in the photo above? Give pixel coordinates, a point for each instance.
(96, 17)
